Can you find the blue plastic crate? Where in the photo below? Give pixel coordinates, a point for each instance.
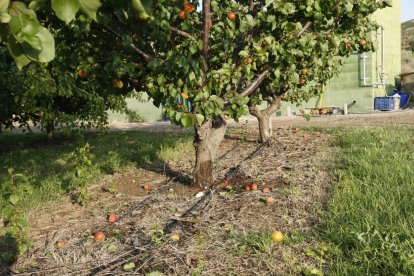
(384, 103)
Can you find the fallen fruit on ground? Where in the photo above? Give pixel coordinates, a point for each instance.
(99, 236)
(266, 190)
(247, 188)
(60, 244)
(113, 218)
(147, 186)
(226, 182)
(174, 237)
(253, 186)
(277, 236)
(270, 200)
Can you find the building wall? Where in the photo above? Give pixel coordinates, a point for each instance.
(348, 86)
(390, 18)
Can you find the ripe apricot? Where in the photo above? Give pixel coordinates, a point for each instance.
(363, 42)
(82, 74)
(270, 200)
(253, 186)
(99, 236)
(266, 190)
(247, 188)
(181, 15)
(113, 218)
(188, 7)
(231, 16)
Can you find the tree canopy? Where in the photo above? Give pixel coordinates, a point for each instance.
(202, 65)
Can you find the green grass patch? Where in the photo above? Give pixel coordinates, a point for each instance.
(32, 172)
(49, 170)
(370, 212)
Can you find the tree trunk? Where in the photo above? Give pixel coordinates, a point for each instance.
(265, 126)
(208, 138)
(50, 131)
(264, 117)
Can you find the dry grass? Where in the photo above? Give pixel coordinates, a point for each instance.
(230, 235)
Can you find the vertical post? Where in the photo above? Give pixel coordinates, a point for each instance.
(345, 109)
(288, 111)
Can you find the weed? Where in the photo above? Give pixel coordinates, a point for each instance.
(157, 234)
(83, 161)
(251, 242)
(14, 189)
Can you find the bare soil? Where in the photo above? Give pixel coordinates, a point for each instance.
(227, 233)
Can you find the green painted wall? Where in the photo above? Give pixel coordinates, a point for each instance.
(348, 86)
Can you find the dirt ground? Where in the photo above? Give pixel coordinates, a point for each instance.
(223, 231)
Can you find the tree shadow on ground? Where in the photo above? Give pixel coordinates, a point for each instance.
(112, 152)
(8, 253)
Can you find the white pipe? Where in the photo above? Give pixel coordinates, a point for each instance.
(382, 74)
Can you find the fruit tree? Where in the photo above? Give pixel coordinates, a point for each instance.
(203, 65)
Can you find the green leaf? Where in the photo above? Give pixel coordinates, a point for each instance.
(14, 199)
(199, 119)
(90, 7)
(128, 266)
(66, 9)
(19, 8)
(5, 17)
(17, 52)
(47, 52)
(250, 20)
(244, 54)
(4, 4)
(142, 13)
(187, 120)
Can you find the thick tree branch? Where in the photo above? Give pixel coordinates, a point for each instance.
(206, 27)
(255, 83)
(274, 105)
(182, 33)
